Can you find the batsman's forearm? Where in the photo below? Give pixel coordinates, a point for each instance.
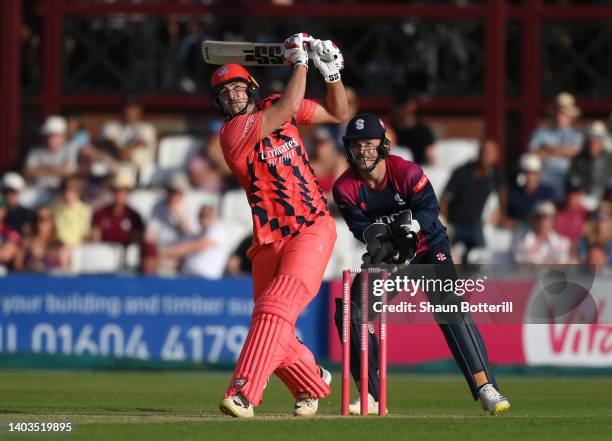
(336, 101)
(294, 92)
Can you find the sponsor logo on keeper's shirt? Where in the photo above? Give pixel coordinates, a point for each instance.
(420, 185)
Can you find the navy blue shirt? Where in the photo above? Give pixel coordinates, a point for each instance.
(405, 187)
(521, 204)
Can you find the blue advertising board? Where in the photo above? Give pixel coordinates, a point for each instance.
(146, 318)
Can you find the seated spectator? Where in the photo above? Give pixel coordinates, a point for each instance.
(205, 253)
(42, 250)
(598, 234)
(325, 159)
(597, 255)
(10, 240)
(170, 222)
(46, 166)
(77, 137)
(572, 216)
(238, 263)
(396, 149)
(593, 165)
(540, 244)
(72, 216)
(17, 217)
(528, 189)
(411, 132)
(466, 193)
(338, 130)
(556, 145)
(212, 151)
(94, 169)
(117, 222)
(133, 140)
(202, 169)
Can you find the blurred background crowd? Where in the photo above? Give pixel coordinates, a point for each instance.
(131, 189)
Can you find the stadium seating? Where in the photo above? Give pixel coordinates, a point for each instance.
(143, 202)
(97, 258)
(235, 207)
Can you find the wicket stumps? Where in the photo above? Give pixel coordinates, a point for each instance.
(363, 353)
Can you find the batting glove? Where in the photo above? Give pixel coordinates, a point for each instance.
(295, 49)
(327, 58)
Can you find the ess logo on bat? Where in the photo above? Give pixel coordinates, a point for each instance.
(264, 55)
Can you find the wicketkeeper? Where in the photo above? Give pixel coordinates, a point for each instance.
(389, 204)
(294, 233)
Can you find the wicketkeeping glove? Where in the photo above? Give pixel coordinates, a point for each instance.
(379, 244)
(405, 236)
(327, 58)
(295, 49)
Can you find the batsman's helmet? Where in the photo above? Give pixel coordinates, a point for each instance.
(229, 73)
(366, 126)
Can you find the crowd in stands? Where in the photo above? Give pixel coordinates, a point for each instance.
(128, 200)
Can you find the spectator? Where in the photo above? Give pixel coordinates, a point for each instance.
(528, 189)
(77, 137)
(238, 263)
(94, 169)
(338, 130)
(396, 149)
(540, 244)
(42, 250)
(212, 151)
(72, 216)
(572, 216)
(411, 132)
(170, 221)
(9, 241)
(558, 144)
(466, 193)
(598, 234)
(134, 140)
(593, 166)
(47, 166)
(17, 217)
(205, 253)
(325, 159)
(117, 222)
(203, 169)
(597, 255)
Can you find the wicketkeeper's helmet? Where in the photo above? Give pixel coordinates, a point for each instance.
(366, 126)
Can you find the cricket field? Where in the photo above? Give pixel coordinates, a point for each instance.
(183, 406)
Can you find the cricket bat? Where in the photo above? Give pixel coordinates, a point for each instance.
(243, 53)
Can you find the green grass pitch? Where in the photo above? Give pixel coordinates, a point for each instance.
(183, 406)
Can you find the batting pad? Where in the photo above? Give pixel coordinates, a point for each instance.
(301, 374)
(270, 337)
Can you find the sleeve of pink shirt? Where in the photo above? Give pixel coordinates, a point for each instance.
(306, 112)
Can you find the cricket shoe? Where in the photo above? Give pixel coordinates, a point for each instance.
(491, 400)
(237, 406)
(307, 407)
(355, 406)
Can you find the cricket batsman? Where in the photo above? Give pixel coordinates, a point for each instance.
(294, 233)
(389, 204)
